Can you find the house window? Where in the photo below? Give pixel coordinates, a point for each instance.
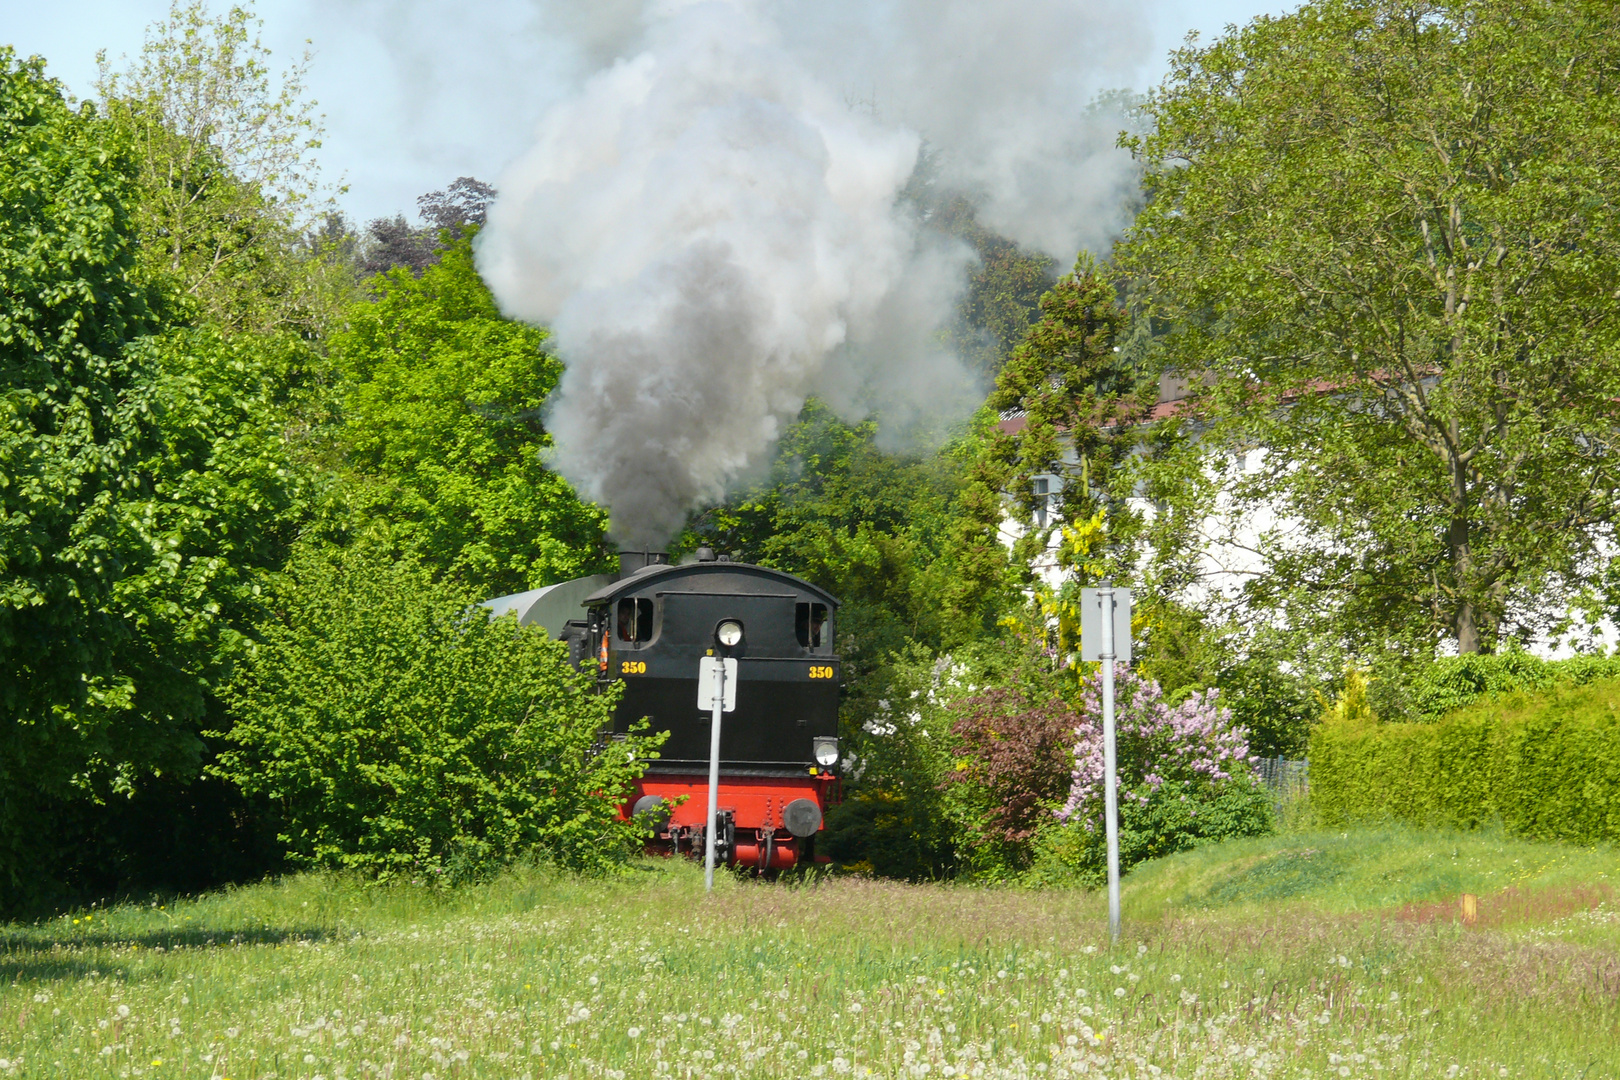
(1043, 488)
(635, 620)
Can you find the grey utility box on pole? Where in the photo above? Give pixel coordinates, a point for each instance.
(1091, 624)
(1105, 636)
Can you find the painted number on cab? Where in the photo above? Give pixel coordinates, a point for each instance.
(821, 671)
(633, 667)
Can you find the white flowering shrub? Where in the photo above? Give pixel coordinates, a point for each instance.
(896, 739)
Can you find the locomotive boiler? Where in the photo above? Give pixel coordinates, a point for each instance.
(647, 628)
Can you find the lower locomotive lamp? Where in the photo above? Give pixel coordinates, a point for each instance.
(647, 630)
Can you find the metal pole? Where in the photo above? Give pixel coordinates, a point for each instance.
(714, 775)
(1105, 594)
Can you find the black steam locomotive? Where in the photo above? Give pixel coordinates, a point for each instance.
(648, 627)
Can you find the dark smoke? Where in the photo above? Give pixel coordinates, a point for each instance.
(712, 223)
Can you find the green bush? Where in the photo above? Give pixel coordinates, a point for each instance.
(401, 733)
(1149, 830)
(1546, 766)
(1450, 683)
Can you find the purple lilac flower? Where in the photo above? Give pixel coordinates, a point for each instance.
(1194, 743)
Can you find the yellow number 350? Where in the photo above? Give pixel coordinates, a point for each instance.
(820, 671)
(633, 667)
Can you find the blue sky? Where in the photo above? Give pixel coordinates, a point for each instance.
(418, 93)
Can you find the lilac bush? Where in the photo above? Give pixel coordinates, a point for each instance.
(1184, 773)
(1155, 742)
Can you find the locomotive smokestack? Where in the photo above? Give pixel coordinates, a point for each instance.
(631, 561)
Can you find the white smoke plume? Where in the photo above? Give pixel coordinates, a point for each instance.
(712, 226)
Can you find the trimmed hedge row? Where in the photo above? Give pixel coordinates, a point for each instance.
(1454, 682)
(1546, 766)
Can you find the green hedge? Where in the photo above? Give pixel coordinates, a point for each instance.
(1546, 766)
(1453, 682)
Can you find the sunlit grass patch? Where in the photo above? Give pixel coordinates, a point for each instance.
(1371, 870)
(544, 975)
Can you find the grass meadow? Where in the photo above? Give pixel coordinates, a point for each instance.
(1306, 955)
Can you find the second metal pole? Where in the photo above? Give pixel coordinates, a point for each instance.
(714, 776)
(1105, 594)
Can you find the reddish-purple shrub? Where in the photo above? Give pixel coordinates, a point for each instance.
(1017, 757)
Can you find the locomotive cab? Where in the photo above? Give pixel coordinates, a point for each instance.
(653, 628)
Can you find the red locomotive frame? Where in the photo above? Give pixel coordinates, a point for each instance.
(752, 806)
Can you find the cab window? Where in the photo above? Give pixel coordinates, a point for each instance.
(635, 619)
(809, 620)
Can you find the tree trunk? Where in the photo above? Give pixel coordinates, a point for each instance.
(1467, 629)
(1466, 617)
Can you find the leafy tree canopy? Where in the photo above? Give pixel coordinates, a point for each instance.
(67, 432)
(450, 213)
(144, 487)
(441, 432)
(905, 541)
(1072, 408)
(226, 182)
(1382, 232)
(1003, 288)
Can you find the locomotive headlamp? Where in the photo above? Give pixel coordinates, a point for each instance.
(728, 633)
(825, 748)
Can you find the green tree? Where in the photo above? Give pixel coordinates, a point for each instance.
(68, 307)
(1003, 288)
(226, 178)
(401, 733)
(143, 488)
(1074, 408)
(898, 538)
(1381, 230)
(441, 436)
